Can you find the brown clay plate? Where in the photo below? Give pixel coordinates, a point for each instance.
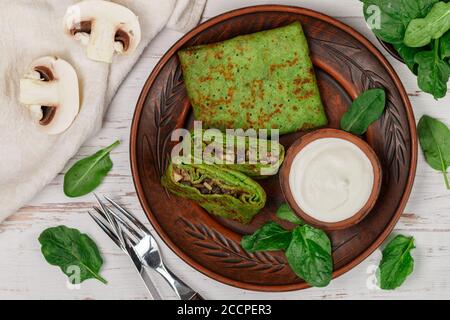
(346, 64)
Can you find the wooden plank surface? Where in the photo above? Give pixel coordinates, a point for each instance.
(24, 273)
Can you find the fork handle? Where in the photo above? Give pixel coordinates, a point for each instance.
(196, 296)
(181, 289)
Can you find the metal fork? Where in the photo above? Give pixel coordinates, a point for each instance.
(103, 223)
(135, 238)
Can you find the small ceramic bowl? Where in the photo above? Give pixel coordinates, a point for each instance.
(392, 51)
(330, 133)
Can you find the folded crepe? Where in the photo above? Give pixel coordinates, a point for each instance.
(256, 158)
(263, 80)
(220, 191)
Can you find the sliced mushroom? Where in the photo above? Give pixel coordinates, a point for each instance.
(104, 27)
(50, 91)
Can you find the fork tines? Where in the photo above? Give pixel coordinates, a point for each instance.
(113, 222)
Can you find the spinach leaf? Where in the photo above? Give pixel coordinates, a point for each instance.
(308, 250)
(270, 236)
(366, 109)
(285, 212)
(391, 29)
(433, 72)
(434, 137)
(397, 262)
(309, 255)
(418, 8)
(408, 55)
(445, 46)
(69, 248)
(389, 20)
(395, 15)
(88, 173)
(420, 32)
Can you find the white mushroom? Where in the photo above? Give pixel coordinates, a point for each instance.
(104, 27)
(50, 91)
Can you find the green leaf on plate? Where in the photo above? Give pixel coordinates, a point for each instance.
(408, 55)
(285, 212)
(270, 236)
(422, 31)
(445, 46)
(433, 72)
(389, 19)
(309, 255)
(365, 110)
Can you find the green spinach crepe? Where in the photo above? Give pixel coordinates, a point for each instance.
(220, 191)
(263, 80)
(246, 156)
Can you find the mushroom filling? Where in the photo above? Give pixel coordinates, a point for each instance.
(86, 27)
(240, 155)
(204, 185)
(47, 112)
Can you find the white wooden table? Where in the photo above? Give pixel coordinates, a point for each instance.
(25, 274)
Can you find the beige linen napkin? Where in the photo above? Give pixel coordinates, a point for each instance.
(29, 160)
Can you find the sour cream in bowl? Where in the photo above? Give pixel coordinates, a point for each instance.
(331, 178)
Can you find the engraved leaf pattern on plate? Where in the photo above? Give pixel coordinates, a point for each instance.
(364, 79)
(164, 107)
(230, 253)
